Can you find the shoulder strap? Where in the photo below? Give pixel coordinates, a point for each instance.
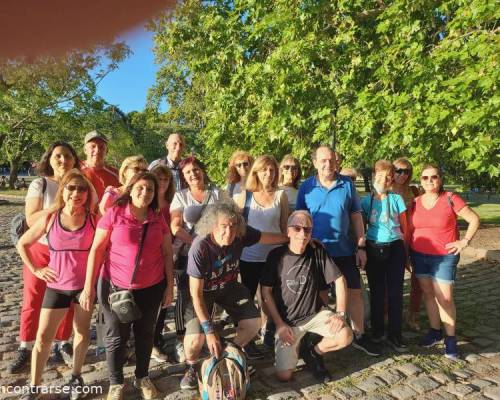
(369, 210)
(44, 185)
(231, 189)
(246, 208)
(139, 251)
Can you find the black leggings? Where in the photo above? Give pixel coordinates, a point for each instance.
(250, 275)
(117, 334)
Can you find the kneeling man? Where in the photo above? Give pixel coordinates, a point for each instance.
(213, 267)
(294, 289)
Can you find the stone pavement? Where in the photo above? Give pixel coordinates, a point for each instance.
(420, 374)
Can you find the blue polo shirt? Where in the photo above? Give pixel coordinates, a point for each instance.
(331, 211)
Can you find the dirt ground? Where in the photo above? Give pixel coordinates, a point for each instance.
(486, 238)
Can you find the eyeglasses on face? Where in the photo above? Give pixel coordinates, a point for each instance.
(78, 188)
(290, 167)
(297, 228)
(244, 164)
(431, 177)
(401, 171)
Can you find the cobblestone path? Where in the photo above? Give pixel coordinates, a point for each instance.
(419, 374)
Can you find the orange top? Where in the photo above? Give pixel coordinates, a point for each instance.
(101, 178)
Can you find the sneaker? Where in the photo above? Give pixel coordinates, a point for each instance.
(190, 379)
(179, 354)
(363, 343)
(378, 338)
(21, 361)
(147, 388)
(252, 351)
(66, 351)
(31, 394)
(314, 362)
(450, 348)
(76, 385)
(397, 343)
(158, 354)
(251, 370)
(115, 392)
(433, 337)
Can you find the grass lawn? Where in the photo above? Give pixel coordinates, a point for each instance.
(489, 213)
(13, 192)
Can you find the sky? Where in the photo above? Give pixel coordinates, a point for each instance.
(127, 87)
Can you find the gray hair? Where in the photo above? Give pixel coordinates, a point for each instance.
(296, 213)
(225, 207)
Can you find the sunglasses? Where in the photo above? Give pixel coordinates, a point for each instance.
(297, 228)
(401, 171)
(78, 188)
(431, 177)
(242, 164)
(290, 167)
(138, 169)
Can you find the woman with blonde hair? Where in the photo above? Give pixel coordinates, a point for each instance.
(239, 165)
(70, 231)
(289, 178)
(130, 166)
(264, 208)
(403, 172)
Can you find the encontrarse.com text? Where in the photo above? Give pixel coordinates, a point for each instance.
(18, 390)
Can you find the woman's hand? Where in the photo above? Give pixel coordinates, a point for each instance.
(86, 299)
(168, 296)
(45, 273)
(457, 246)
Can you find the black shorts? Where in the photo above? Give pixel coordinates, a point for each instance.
(55, 298)
(234, 298)
(347, 265)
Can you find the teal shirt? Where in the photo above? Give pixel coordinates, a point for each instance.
(383, 226)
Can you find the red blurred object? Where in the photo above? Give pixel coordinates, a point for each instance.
(40, 27)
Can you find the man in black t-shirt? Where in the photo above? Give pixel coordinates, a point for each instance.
(213, 267)
(295, 290)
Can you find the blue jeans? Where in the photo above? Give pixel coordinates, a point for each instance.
(440, 268)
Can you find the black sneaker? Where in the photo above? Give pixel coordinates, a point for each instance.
(76, 386)
(252, 352)
(398, 344)
(21, 362)
(433, 337)
(190, 379)
(314, 363)
(365, 344)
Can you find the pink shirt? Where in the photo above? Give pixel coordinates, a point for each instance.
(126, 233)
(69, 251)
(434, 228)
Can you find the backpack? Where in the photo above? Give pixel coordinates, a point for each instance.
(226, 378)
(18, 224)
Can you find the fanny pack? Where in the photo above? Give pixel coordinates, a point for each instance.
(378, 251)
(121, 301)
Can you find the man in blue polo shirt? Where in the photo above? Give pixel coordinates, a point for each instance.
(332, 201)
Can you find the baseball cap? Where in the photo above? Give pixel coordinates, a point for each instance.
(94, 135)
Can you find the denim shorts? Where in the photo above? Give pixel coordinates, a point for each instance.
(442, 269)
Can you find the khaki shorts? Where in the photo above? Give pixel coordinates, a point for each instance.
(287, 356)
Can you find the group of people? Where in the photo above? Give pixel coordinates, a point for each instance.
(95, 231)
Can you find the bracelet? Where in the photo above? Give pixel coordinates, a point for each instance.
(207, 327)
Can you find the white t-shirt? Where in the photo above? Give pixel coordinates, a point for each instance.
(237, 189)
(265, 219)
(184, 202)
(35, 191)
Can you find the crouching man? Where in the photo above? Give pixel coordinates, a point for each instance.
(213, 267)
(294, 289)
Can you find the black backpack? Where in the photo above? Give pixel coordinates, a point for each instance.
(18, 224)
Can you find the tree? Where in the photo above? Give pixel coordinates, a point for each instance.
(49, 97)
(389, 77)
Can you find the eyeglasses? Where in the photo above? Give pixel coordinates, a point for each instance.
(290, 167)
(431, 177)
(78, 188)
(401, 171)
(297, 228)
(242, 164)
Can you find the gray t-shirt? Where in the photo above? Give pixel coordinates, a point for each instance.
(297, 279)
(215, 264)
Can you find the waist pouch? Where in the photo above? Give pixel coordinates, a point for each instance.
(378, 252)
(123, 304)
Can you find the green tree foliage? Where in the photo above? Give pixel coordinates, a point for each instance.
(390, 78)
(53, 98)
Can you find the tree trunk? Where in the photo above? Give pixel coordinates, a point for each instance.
(14, 167)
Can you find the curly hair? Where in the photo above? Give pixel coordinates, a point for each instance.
(232, 173)
(125, 198)
(296, 181)
(253, 184)
(45, 169)
(225, 207)
(163, 170)
(68, 177)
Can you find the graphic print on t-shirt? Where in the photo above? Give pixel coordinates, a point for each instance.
(295, 282)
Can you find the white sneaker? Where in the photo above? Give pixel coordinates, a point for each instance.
(180, 357)
(115, 392)
(147, 388)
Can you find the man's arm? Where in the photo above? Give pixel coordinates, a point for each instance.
(285, 333)
(273, 238)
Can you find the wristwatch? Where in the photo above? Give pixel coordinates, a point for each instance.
(341, 314)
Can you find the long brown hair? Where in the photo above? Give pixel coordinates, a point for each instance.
(253, 184)
(232, 172)
(125, 198)
(163, 170)
(68, 177)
